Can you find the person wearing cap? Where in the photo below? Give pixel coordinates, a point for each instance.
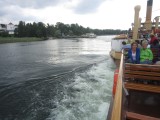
(146, 55)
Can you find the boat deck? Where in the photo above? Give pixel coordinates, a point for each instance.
(142, 83)
(138, 92)
(144, 103)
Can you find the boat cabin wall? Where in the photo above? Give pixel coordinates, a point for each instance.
(116, 45)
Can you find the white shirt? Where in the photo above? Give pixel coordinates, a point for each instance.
(134, 56)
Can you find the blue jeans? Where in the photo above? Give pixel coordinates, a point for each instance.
(146, 62)
(130, 61)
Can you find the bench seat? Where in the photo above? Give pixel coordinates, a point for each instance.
(142, 72)
(142, 87)
(135, 116)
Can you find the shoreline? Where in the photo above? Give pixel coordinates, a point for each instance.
(4, 40)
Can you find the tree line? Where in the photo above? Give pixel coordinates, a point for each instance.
(58, 30)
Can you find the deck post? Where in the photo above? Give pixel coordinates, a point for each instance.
(136, 22)
(148, 22)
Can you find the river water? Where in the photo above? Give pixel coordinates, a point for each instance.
(60, 79)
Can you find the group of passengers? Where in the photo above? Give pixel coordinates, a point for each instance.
(141, 53)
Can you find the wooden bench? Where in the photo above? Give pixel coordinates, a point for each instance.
(142, 87)
(143, 72)
(135, 116)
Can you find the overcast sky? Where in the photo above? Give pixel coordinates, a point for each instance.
(101, 14)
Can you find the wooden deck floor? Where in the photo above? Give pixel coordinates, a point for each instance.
(144, 103)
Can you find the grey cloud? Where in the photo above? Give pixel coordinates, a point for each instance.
(88, 6)
(14, 14)
(36, 4)
(24, 18)
(21, 17)
(12, 9)
(3, 12)
(16, 20)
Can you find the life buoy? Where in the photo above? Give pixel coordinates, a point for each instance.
(115, 81)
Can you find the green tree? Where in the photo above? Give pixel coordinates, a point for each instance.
(41, 30)
(50, 30)
(4, 34)
(58, 34)
(21, 29)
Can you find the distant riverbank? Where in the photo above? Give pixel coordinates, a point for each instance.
(32, 39)
(16, 39)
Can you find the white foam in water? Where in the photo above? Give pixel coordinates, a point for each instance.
(90, 97)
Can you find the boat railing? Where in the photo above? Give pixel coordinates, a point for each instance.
(117, 104)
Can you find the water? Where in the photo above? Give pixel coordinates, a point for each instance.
(61, 79)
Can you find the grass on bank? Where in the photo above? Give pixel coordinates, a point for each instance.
(16, 39)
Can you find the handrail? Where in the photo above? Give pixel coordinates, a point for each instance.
(117, 104)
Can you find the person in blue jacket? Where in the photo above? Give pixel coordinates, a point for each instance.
(134, 54)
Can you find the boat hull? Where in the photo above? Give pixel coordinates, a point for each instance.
(115, 55)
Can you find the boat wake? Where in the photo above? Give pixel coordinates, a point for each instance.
(87, 96)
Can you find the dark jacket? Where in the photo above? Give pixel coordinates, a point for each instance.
(153, 39)
(137, 55)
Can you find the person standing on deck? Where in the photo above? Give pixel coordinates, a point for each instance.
(153, 38)
(134, 54)
(156, 47)
(146, 55)
(125, 45)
